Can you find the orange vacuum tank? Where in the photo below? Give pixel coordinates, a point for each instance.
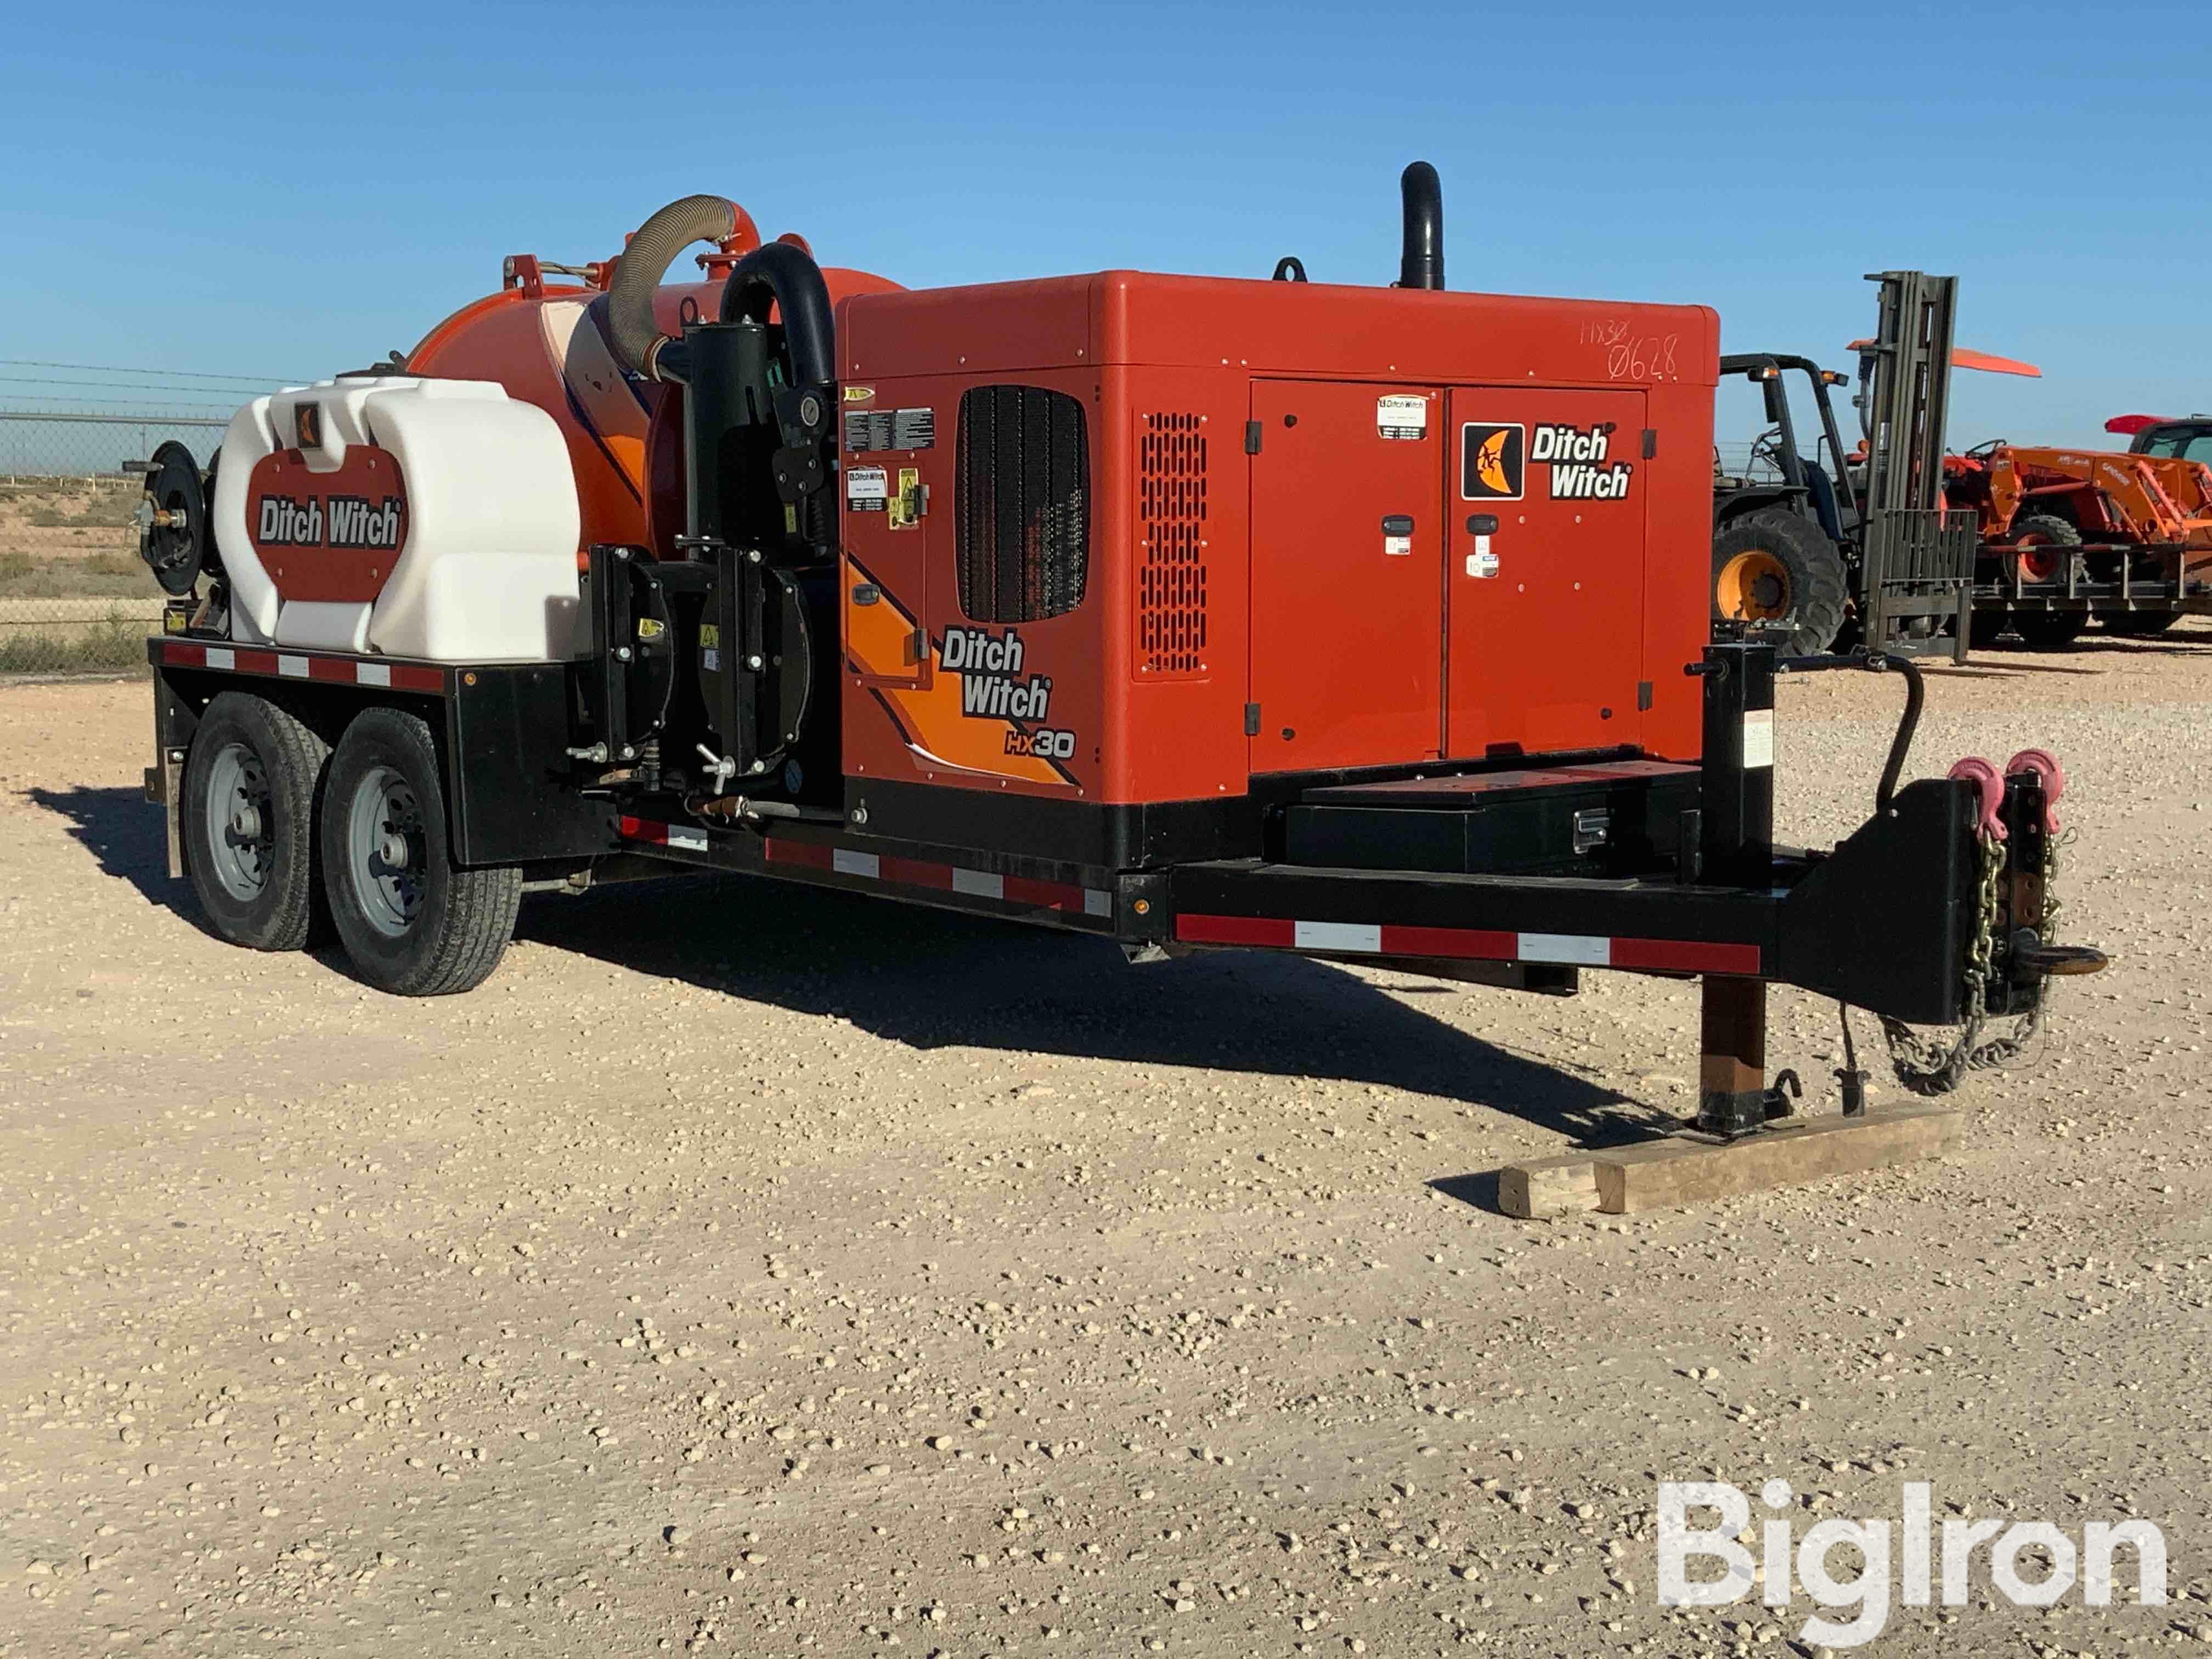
(545, 340)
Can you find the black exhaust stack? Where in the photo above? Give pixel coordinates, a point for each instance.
(1422, 263)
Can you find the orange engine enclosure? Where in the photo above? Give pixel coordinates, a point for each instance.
(1246, 611)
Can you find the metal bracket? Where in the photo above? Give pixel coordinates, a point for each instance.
(1853, 1083)
(1786, 1088)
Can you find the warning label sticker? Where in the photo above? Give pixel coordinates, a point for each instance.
(1758, 738)
(867, 489)
(1398, 416)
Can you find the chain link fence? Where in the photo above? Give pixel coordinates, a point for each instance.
(74, 598)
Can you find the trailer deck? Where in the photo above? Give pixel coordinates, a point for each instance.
(2181, 583)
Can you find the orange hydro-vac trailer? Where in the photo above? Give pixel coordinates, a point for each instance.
(1186, 613)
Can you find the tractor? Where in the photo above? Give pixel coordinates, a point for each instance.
(2068, 535)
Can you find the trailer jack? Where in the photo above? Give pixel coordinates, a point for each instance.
(2012, 818)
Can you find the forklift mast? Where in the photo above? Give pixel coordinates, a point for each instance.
(1918, 556)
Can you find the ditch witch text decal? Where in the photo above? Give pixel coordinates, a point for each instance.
(972, 705)
(329, 521)
(991, 688)
(1495, 456)
(327, 536)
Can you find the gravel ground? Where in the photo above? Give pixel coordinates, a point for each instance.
(755, 1270)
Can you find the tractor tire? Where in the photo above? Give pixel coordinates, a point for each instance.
(2051, 630)
(2141, 624)
(252, 781)
(411, 923)
(2040, 531)
(1775, 572)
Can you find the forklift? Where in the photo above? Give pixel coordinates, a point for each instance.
(1861, 551)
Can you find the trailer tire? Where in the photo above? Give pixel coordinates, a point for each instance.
(1775, 568)
(2040, 541)
(2050, 630)
(253, 781)
(412, 924)
(2141, 624)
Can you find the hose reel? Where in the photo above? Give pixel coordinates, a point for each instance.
(175, 520)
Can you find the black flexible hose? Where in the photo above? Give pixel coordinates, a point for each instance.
(631, 332)
(1907, 723)
(785, 275)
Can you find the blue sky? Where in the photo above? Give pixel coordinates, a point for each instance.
(256, 189)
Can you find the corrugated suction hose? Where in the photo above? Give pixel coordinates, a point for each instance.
(631, 332)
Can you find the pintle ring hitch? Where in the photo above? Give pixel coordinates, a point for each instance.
(2031, 954)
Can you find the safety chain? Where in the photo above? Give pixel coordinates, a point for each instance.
(1927, 1066)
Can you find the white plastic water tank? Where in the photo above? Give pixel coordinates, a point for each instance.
(486, 515)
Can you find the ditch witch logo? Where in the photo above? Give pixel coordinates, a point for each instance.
(343, 521)
(1494, 458)
(989, 666)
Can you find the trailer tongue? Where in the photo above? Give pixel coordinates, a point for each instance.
(1191, 613)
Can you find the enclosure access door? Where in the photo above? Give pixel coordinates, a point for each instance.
(1544, 604)
(1347, 550)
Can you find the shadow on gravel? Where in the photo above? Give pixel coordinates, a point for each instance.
(931, 979)
(2005, 670)
(2089, 645)
(124, 834)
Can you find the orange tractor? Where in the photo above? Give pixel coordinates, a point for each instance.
(2067, 534)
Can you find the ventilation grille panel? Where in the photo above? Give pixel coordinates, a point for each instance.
(1023, 507)
(1171, 524)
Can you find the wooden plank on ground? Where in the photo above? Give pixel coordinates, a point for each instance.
(1546, 1187)
(1691, 1169)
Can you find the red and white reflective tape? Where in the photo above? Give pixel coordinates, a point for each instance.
(1478, 944)
(893, 871)
(301, 666)
(663, 834)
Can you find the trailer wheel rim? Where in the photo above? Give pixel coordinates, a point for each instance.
(1754, 587)
(239, 839)
(386, 848)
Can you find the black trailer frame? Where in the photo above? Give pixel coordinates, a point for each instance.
(1884, 921)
